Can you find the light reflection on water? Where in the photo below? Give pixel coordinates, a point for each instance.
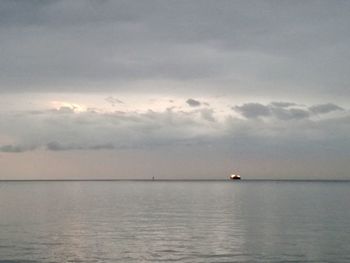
(174, 221)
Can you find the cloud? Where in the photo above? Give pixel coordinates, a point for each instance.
(9, 148)
(95, 131)
(284, 110)
(193, 141)
(253, 110)
(65, 110)
(113, 101)
(282, 104)
(208, 114)
(325, 108)
(290, 114)
(56, 146)
(193, 102)
(79, 46)
(91, 131)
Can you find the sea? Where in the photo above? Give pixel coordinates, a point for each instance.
(174, 221)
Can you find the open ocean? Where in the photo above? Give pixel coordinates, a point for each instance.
(184, 221)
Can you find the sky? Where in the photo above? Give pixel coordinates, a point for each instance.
(174, 89)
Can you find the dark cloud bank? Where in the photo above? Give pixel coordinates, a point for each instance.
(225, 47)
(193, 102)
(284, 110)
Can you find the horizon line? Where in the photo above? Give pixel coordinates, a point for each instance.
(169, 180)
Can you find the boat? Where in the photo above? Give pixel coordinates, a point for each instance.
(235, 177)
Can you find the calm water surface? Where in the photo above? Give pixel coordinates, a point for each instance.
(247, 221)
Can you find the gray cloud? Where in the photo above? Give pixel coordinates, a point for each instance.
(225, 47)
(284, 110)
(253, 110)
(193, 102)
(61, 131)
(289, 114)
(282, 104)
(325, 108)
(56, 146)
(9, 148)
(208, 114)
(314, 144)
(113, 101)
(55, 131)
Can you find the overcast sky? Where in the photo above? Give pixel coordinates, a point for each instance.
(174, 89)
